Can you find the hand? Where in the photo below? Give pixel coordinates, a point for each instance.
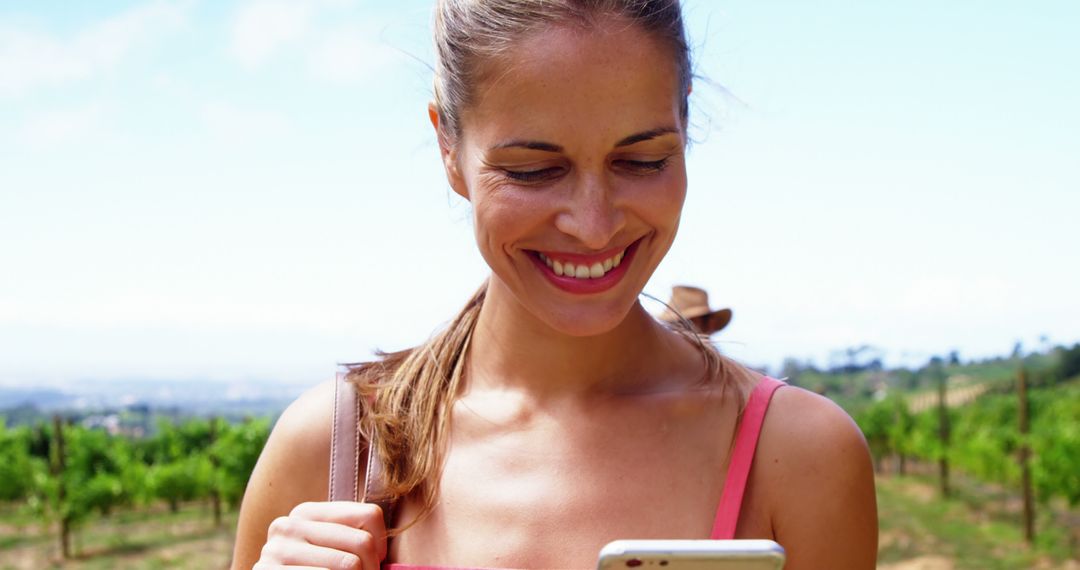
(339, 535)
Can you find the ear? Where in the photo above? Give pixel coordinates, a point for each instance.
(448, 152)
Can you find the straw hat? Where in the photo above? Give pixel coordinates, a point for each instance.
(691, 302)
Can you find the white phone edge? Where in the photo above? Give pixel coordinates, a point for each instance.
(616, 553)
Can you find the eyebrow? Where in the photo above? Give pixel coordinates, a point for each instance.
(647, 135)
(551, 147)
(533, 145)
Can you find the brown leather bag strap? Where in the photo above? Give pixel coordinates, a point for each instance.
(345, 455)
(345, 443)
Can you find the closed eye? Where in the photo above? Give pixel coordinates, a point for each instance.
(534, 175)
(642, 166)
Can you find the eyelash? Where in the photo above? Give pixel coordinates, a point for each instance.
(637, 167)
(646, 167)
(531, 175)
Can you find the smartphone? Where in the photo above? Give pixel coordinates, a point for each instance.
(691, 555)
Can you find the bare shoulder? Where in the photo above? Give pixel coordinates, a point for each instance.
(815, 468)
(293, 468)
(804, 425)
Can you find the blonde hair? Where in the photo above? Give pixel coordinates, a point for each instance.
(471, 33)
(406, 396)
(405, 400)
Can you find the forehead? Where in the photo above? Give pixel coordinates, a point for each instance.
(571, 84)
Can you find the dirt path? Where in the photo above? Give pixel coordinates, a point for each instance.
(186, 540)
(922, 530)
(920, 563)
(959, 391)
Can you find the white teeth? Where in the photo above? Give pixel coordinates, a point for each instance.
(594, 271)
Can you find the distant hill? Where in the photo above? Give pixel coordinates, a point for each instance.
(180, 397)
(46, 398)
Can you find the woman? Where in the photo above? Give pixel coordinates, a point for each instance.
(555, 414)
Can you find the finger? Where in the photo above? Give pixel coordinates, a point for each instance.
(341, 537)
(311, 555)
(364, 516)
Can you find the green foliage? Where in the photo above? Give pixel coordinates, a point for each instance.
(16, 467)
(182, 462)
(986, 436)
(176, 441)
(95, 466)
(1070, 362)
(236, 451)
(135, 480)
(1055, 442)
(985, 440)
(181, 480)
(185, 457)
(925, 442)
(874, 421)
(901, 425)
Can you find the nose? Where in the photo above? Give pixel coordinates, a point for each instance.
(592, 215)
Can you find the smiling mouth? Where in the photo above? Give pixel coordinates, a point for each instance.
(585, 274)
(583, 269)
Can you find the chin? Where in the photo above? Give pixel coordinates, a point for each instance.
(585, 322)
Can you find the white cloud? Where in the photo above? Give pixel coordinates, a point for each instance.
(327, 36)
(264, 26)
(31, 59)
(347, 55)
(62, 126)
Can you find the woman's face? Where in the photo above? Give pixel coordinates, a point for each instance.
(572, 156)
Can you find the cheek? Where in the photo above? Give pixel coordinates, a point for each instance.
(660, 202)
(502, 216)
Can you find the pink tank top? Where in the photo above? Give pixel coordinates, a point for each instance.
(727, 513)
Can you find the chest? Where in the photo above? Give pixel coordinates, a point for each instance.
(552, 495)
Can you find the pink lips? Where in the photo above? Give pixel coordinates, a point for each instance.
(586, 286)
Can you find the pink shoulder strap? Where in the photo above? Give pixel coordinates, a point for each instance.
(742, 457)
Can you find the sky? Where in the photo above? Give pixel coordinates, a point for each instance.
(251, 190)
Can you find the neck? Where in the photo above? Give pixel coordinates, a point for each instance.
(513, 350)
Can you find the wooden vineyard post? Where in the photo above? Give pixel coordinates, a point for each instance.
(943, 432)
(215, 491)
(1025, 455)
(56, 469)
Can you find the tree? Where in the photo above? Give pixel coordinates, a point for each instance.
(237, 449)
(899, 429)
(1070, 362)
(184, 479)
(874, 422)
(16, 468)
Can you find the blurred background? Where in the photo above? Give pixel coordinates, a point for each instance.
(206, 206)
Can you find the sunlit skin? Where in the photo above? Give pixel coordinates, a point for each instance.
(582, 419)
(575, 156)
(571, 155)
